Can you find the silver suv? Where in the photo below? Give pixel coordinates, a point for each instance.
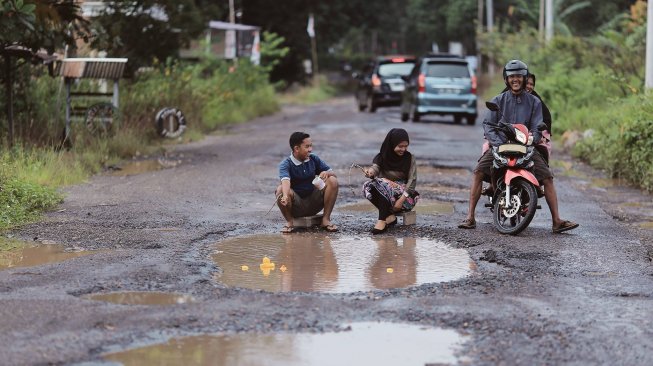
(440, 84)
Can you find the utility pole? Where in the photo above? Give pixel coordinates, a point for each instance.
(230, 35)
(479, 30)
(541, 21)
(549, 20)
(310, 29)
(648, 85)
(490, 29)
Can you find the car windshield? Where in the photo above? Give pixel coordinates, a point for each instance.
(395, 69)
(447, 70)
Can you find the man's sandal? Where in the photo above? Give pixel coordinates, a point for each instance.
(467, 224)
(564, 226)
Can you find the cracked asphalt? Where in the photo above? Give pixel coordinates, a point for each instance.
(578, 298)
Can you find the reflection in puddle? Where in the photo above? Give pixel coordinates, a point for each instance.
(376, 344)
(427, 207)
(15, 254)
(142, 298)
(316, 262)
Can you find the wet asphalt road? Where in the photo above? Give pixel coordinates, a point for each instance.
(584, 297)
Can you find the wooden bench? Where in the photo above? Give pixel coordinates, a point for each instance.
(307, 221)
(408, 218)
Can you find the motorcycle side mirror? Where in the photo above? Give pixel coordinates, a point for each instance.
(492, 106)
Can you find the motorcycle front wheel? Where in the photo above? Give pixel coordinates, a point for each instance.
(512, 219)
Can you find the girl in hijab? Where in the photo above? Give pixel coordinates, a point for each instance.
(394, 175)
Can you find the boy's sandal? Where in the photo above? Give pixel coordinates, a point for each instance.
(287, 229)
(330, 228)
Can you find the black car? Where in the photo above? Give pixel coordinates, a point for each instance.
(440, 84)
(381, 84)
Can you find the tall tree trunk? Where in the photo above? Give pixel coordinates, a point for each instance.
(10, 98)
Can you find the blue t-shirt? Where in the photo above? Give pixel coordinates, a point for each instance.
(301, 175)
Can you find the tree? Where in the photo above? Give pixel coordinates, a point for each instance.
(28, 27)
(144, 30)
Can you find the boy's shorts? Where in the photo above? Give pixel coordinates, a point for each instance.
(309, 205)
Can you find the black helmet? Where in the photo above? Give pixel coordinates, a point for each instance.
(515, 67)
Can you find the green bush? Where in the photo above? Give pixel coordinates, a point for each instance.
(209, 94)
(622, 141)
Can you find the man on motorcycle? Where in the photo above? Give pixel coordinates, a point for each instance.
(517, 106)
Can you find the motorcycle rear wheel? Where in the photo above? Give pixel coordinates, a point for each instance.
(528, 204)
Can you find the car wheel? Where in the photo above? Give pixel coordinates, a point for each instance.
(404, 117)
(471, 119)
(457, 119)
(370, 104)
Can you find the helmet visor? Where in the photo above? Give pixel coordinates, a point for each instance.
(517, 72)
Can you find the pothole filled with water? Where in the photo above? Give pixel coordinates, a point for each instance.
(142, 298)
(16, 253)
(316, 262)
(427, 207)
(376, 344)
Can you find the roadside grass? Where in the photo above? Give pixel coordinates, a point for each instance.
(317, 91)
(27, 184)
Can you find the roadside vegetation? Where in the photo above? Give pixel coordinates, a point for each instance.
(594, 87)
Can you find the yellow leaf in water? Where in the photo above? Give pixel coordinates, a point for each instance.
(389, 270)
(283, 268)
(244, 268)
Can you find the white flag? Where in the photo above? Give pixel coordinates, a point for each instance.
(309, 28)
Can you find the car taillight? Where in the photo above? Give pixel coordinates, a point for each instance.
(421, 83)
(376, 81)
(398, 59)
(474, 84)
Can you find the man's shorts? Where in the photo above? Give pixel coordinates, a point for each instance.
(540, 170)
(309, 205)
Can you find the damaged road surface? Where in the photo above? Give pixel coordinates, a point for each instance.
(185, 260)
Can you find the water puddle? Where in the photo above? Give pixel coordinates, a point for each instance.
(315, 262)
(376, 344)
(15, 253)
(427, 207)
(142, 298)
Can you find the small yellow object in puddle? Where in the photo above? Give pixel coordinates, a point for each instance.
(244, 268)
(266, 266)
(389, 270)
(283, 268)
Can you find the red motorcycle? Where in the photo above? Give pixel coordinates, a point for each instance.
(515, 190)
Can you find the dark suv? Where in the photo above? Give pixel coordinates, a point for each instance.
(381, 83)
(440, 84)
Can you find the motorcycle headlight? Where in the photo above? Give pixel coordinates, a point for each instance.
(521, 137)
